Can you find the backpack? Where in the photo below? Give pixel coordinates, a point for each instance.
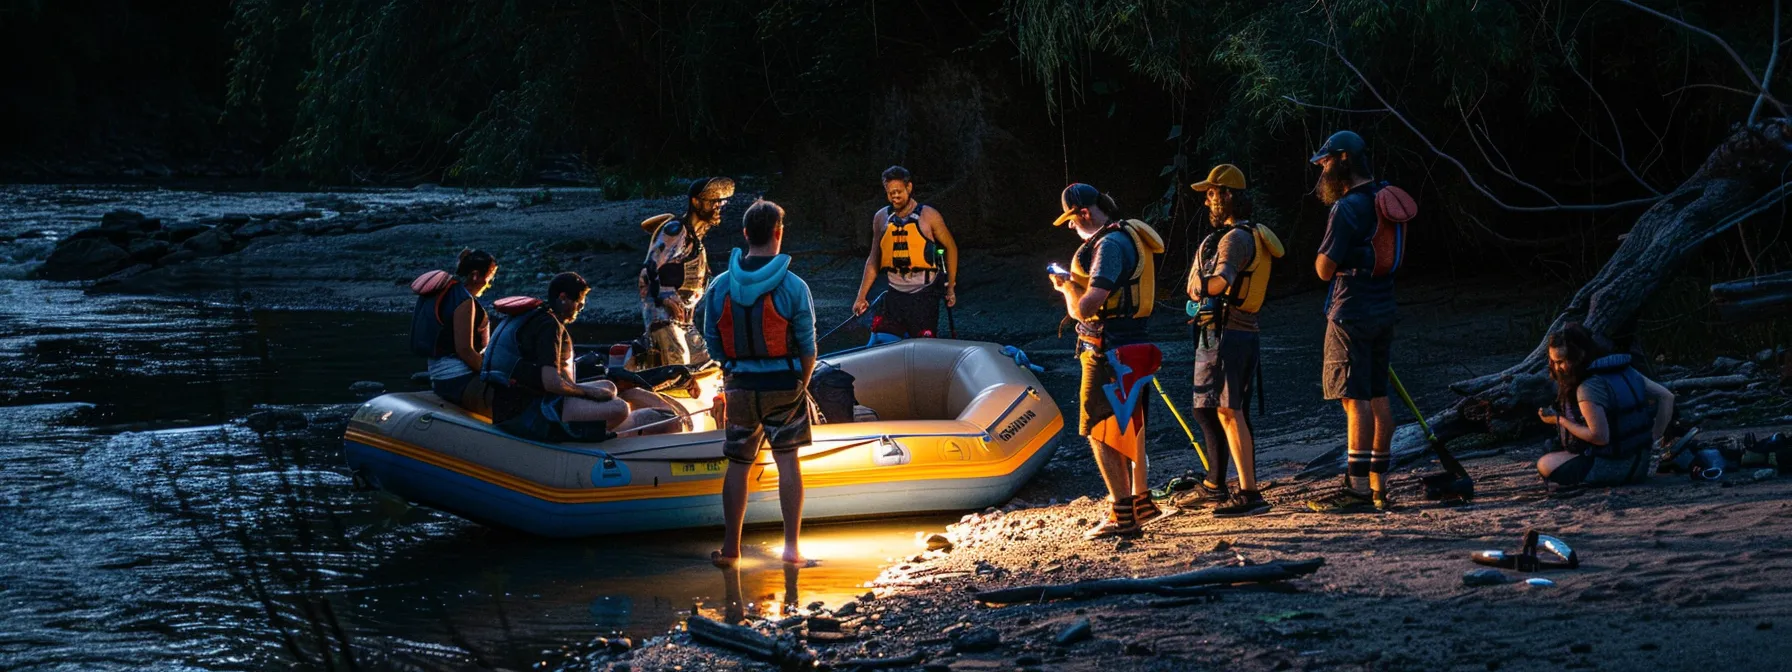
(504, 354)
(1393, 209)
(831, 388)
(426, 319)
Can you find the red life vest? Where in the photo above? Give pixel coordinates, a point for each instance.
(755, 331)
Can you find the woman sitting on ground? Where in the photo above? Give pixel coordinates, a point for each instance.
(1607, 415)
(454, 373)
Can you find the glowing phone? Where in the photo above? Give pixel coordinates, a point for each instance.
(1054, 269)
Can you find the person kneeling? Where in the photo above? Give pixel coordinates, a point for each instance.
(530, 362)
(1606, 419)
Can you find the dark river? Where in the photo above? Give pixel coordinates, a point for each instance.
(143, 525)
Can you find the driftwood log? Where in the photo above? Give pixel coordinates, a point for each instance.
(1174, 585)
(1741, 179)
(1708, 383)
(785, 652)
(1763, 298)
(910, 659)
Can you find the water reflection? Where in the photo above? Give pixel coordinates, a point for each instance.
(141, 527)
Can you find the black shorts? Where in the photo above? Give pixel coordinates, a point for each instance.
(1356, 358)
(910, 315)
(1092, 404)
(1224, 369)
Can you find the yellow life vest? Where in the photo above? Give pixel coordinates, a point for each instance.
(905, 250)
(1135, 297)
(1252, 284)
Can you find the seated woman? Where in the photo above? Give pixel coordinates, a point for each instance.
(1609, 415)
(454, 366)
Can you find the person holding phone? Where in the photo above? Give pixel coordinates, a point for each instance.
(1609, 414)
(1110, 291)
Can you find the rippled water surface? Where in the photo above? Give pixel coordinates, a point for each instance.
(143, 526)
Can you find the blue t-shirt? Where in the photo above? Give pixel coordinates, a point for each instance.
(1114, 261)
(1355, 294)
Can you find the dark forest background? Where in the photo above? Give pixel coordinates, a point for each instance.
(993, 104)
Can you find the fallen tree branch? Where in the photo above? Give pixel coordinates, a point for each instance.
(912, 659)
(1707, 383)
(785, 652)
(1175, 585)
(1765, 297)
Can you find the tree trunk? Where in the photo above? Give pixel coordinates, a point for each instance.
(1739, 180)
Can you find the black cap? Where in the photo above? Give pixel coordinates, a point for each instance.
(1342, 141)
(1077, 196)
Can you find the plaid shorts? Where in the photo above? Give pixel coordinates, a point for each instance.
(759, 417)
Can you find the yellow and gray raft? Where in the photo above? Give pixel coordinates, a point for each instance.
(959, 427)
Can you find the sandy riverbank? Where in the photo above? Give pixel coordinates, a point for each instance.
(1678, 575)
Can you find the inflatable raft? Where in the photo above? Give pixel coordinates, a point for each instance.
(959, 426)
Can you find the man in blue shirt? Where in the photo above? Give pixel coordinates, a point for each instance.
(1359, 333)
(759, 322)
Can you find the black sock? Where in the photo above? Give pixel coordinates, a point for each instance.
(1214, 445)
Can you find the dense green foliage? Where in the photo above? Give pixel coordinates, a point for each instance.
(994, 103)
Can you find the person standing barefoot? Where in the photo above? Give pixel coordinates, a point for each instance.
(760, 324)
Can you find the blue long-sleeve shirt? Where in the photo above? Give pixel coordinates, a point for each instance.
(746, 280)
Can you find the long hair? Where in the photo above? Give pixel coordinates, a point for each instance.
(473, 261)
(1579, 348)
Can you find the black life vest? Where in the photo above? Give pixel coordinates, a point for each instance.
(1630, 418)
(504, 363)
(899, 245)
(755, 331)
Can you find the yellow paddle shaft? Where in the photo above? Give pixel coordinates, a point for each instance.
(1185, 430)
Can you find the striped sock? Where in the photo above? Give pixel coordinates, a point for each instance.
(1359, 464)
(1123, 512)
(1379, 463)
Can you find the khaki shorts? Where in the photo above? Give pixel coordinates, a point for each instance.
(759, 417)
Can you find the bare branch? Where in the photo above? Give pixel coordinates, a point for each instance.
(1719, 87)
(1546, 243)
(1496, 168)
(1773, 59)
(1746, 71)
(1317, 106)
(1622, 155)
(1466, 174)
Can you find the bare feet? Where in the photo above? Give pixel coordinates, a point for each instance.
(724, 561)
(797, 559)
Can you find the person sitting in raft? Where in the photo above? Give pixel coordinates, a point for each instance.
(537, 396)
(455, 360)
(1607, 414)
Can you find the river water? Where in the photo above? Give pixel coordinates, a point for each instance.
(142, 525)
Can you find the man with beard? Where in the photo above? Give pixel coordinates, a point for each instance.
(1359, 333)
(1228, 278)
(919, 260)
(1110, 289)
(675, 270)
